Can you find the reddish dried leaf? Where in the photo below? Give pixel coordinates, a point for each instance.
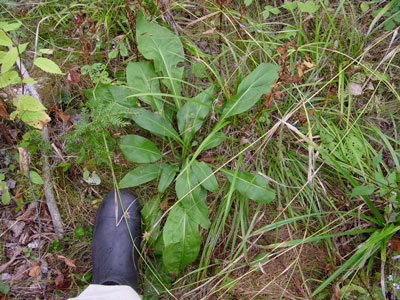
(394, 244)
(73, 76)
(60, 114)
(68, 262)
(59, 281)
(165, 204)
(3, 111)
(35, 270)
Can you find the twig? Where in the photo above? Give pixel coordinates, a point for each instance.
(46, 171)
(34, 198)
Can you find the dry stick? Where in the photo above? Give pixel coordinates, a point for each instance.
(35, 199)
(47, 183)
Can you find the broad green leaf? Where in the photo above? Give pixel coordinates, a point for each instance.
(364, 7)
(112, 94)
(168, 173)
(191, 115)
(113, 54)
(248, 2)
(363, 190)
(142, 79)
(117, 97)
(123, 51)
(29, 80)
(4, 39)
(139, 149)
(202, 171)
(151, 213)
(155, 123)
(140, 175)
(35, 119)
(215, 141)
(377, 159)
(2, 54)
(22, 48)
(31, 111)
(9, 78)
(250, 90)
(47, 65)
(35, 177)
(270, 9)
(308, 6)
(253, 186)
(9, 59)
(27, 102)
(198, 70)
(10, 26)
(289, 5)
(5, 197)
(159, 44)
(4, 287)
(192, 198)
(181, 238)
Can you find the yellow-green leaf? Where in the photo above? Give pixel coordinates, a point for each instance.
(9, 78)
(27, 102)
(9, 59)
(35, 119)
(47, 65)
(35, 177)
(4, 39)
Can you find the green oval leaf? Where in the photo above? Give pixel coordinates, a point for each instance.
(202, 171)
(140, 175)
(142, 79)
(5, 198)
(9, 59)
(47, 65)
(159, 44)
(35, 177)
(139, 149)
(253, 186)
(155, 123)
(9, 78)
(191, 115)
(30, 103)
(250, 90)
(192, 197)
(363, 190)
(215, 141)
(181, 238)
(308, 6)
(168, 173)
(4, 39)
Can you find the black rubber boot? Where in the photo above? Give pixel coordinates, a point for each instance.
(114, 258)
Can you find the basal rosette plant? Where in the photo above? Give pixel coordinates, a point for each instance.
(179, 240)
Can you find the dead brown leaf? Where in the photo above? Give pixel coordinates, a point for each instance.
(35, 270)
(394, 244)
(73, 76)
(60, 114)
(3, 111)
(165, 204)
(59, 281)
(29, 213)
(70, 263)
